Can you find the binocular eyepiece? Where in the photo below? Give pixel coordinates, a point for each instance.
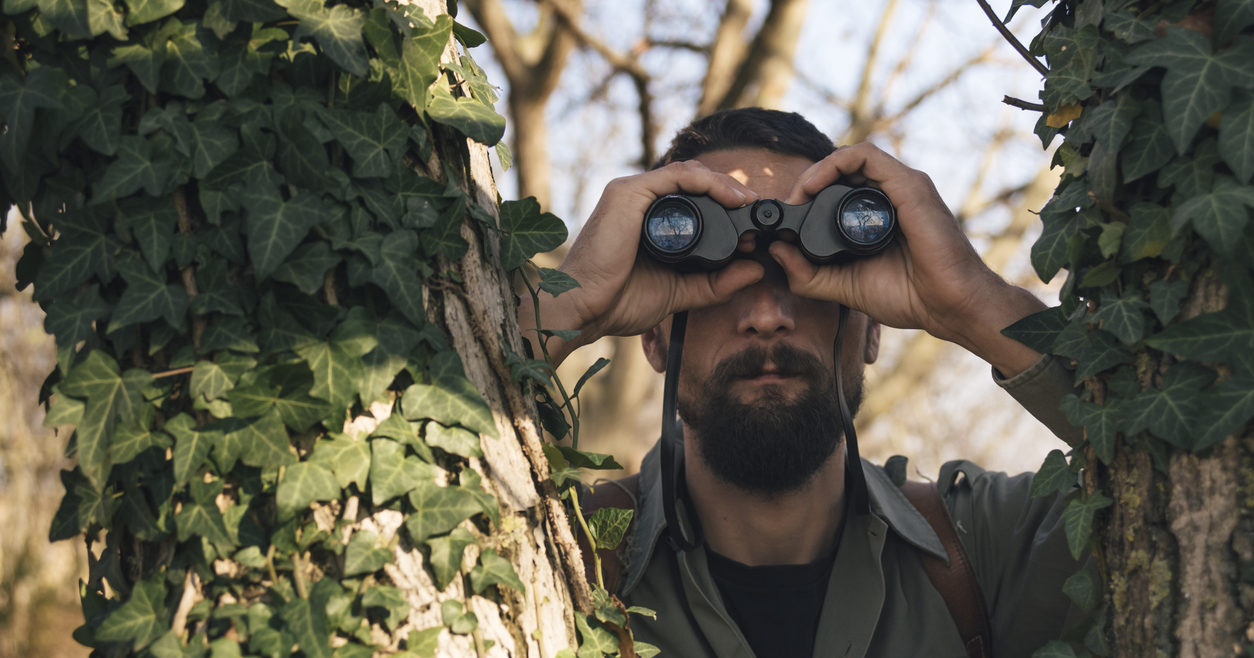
(695, 232)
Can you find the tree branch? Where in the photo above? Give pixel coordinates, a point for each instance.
(770, 56)
(1022, 104)
(1012, 39)
(726, 52)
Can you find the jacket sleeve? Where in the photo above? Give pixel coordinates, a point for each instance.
(1040, 390)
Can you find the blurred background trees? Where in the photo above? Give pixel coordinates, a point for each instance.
(592, 91)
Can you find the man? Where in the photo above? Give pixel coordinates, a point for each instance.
(783, 565)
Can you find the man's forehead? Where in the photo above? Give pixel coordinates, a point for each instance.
(768, 173)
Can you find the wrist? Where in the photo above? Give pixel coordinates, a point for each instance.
(979, 328)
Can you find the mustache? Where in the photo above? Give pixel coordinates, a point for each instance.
(788, 361)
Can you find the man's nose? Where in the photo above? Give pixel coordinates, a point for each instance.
(767, 309)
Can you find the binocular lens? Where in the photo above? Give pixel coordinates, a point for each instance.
(672, 227)
(866, 218)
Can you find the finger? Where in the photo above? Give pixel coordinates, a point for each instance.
(805, 279)
(705, 289)
(692, 177)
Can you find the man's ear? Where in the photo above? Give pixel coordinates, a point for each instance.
(654, 343)
(871, 349)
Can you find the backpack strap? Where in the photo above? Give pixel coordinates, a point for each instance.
(956, 581)
(607, 493)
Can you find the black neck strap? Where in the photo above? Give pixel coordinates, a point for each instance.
(856, 479)
(673, 443)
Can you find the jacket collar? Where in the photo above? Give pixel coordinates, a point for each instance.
(887, 502)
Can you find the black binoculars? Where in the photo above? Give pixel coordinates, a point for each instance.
(695, 232)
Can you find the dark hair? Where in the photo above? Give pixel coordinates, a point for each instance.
(750, 127)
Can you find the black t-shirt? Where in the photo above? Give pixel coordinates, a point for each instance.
(777, 607)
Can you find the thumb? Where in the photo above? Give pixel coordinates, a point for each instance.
(705, 289)
(805, 279)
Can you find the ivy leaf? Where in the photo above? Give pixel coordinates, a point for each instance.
(457, 618)
(1236, 136)
(1198, 82)
(136, 166)
(455, 402)
(494, 570)
(438, 509)
(1053, 476)
(302, 484)
(393, 474)
(1038, 330)
(129, 441)
(81, 506)
(1094, 351)
(147, 297)
(142, 619)
(308, 624)
(1165, 298)
(336, 29)
(147, 11)
(362, 556)
(556, 282)
(453, 440)
(70, 319)
(1101, 424)
(527, 232)
(151, 223)
(101, 125)
(397, 275)
(1148, 232)
(1226, 408)
(297, 411)
(265, 441)
(191, 446)
(1078, 521)
(1209, 337)
(446, 555)
(389, 599)
(1055, 649)
(609, 525)
(1149, 147)
(1123, 316)
(335, 371)
(109, 395)
(348, 459)
(1171, 412)
(307, 266)
(473, 118)
(20, 100)
(420, 61)
(251, 11)
(188, 63)
(275, 227)
(594, 641)
(374, 140)
(1072, 57)
(211, 144)
(202, 520)
(1219, 216)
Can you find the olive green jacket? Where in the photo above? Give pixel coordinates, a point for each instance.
(879, 599)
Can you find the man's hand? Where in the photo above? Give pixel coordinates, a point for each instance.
(930, 278)
(621, 292)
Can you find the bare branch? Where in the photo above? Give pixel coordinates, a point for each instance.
(768, 66)
(727, 51)
(1022, 104)
(678, 45)
(1012, 39)
(860, 121)
(491, 17)
(941, 84)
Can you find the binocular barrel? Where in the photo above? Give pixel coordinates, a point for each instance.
(696, 232)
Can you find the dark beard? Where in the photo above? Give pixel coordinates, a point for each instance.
(773, 445)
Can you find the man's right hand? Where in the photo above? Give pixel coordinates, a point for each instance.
(622, 292)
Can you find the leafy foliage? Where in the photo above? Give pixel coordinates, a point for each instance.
(1151, 223)
(237, 211)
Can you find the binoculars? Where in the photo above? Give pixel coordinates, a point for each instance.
(695, 232)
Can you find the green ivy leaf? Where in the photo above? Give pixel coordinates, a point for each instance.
(446, 555)
(70, 319)
(1072, 57)
(1199, 80)
(309, 626)
(595, 641)
(251, 11)
(337, 29)
(1226, 408)
(1148, 233)
(147, 297)
(1055, 649)
(1038, 330)
(397, 275)
(1094, 351)
(374, 140)
(307, 266)
(302, 484)
(527, 232)
(453, 440)
(347, 458)
(147, 11)
(142, 619)
(609, 525)
(137, 166)
(1078, 521)
(391, 600)
(1101, 424)
(1149, 148)
(438, 509)
(210, 144)
(455, 402)
(1236, 136)
(393, 474)
(1122, 315)
(275, 227)
(1209, 337)
(335, 371)
(1219, 216)
(473, 118)
(262, 441)
(129, 441)
(494, 570)
(188, 63)
(109, 395)
(362, 556)
(457, 618)
(1165, 298)
(203, 520)
(420, 61)
(556, 282)
(1054, 475)
(191, 446)
(297, 411)
(1171, 412)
